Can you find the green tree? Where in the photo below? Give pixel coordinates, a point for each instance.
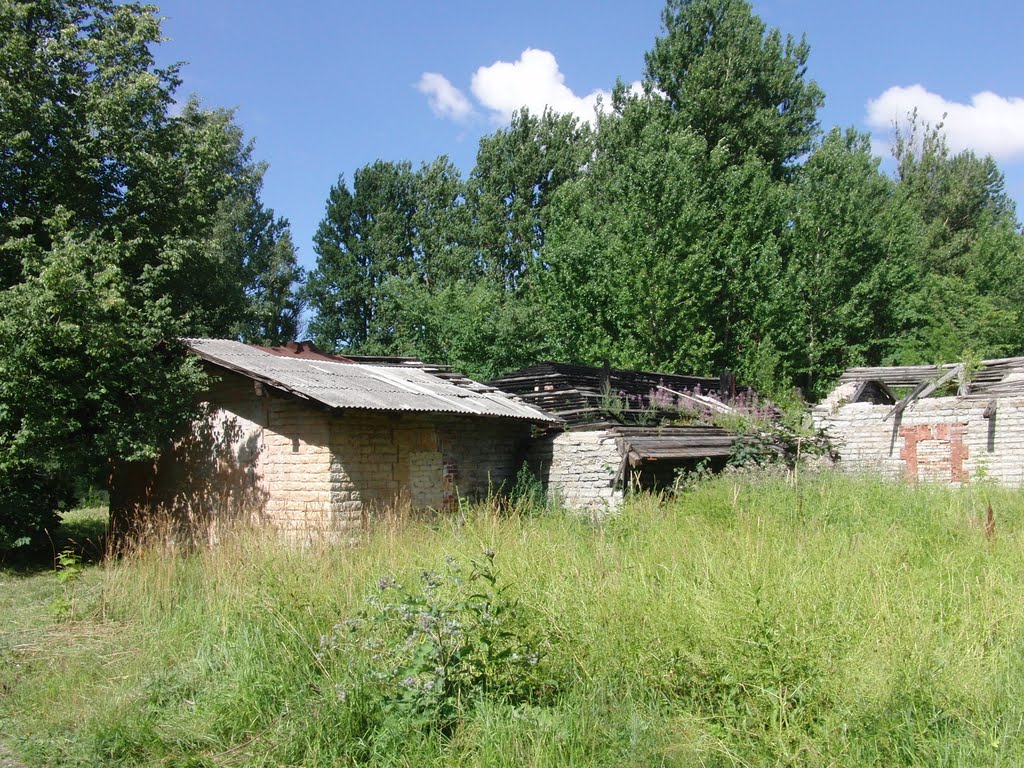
(672, 250)
(424, 263)
(663, 255)
(853, 244)
(735, 83)
(364, 242)
(89, 371)
(971, 255)
(517, 173)
(113, 216)
(257, 247)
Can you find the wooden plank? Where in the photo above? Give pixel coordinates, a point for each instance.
(701, 400)
(911, 375)
(691, 453)
(902, 404)
(673, 433)
(668, 445)
(922, 390)
(948, 376)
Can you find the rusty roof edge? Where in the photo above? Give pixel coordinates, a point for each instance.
(235, 368)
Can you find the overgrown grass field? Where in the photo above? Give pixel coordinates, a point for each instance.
(750, 622)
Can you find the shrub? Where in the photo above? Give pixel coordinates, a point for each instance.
(30, 497)
(427, 653)
(528, 494)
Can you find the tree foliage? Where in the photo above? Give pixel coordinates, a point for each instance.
(424, 262)
(124, 226)
(851, 266)
(970, 257)
(703, 224)
(735, 83)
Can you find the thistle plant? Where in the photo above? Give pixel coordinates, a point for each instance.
(430, 651)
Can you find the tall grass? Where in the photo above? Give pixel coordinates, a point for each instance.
(843, 622)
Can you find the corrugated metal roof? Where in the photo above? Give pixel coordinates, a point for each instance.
(398, 387)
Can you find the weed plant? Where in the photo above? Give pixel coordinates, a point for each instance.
(749, 622)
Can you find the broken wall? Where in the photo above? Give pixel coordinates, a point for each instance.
(943, 439)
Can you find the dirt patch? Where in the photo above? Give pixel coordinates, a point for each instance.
(7, 758)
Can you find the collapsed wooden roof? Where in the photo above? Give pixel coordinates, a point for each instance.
(987, 380)
(578, 393)
(664, 448)
(988, 376)
(643, 444)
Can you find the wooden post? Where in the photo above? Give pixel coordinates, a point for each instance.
(727, 385)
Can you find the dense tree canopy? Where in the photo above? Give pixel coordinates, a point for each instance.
(426, 263)
(970, 256)
(704, 224)
(124, 226)
(850, 264)
(735, 83)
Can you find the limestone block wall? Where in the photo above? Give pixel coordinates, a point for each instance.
(210, 475)
(481, 455)
(943, 439)
(580, 467)
(324, 472)
(310, 472)
(295, 469)
(426, 460)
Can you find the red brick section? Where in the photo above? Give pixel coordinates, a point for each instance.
(957, 453)
(911, 435)
(953, 434)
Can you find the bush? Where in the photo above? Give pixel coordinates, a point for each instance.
(30, 498)
(429, 653)
(528, 493)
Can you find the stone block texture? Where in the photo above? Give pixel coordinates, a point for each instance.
(942, 440)
(311, 472)
(580, 467)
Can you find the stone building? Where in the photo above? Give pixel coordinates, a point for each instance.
(946, 424)
(312, 444)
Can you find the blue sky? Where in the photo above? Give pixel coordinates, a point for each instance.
(326, 87)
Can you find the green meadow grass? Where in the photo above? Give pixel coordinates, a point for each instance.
(841, 622)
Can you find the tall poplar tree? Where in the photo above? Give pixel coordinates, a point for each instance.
(971, 256)
(670, 251)
(425, 263)
(734, 82)
(365, 240)
(852, 269)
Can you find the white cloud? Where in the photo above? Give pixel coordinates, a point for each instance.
(534, 81)
(445, 99)
(989, 125)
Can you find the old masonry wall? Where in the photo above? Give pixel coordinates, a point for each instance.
(944, 439)
(580, 468)
(312, 473)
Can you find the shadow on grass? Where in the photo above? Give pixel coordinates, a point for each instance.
(82, 531)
